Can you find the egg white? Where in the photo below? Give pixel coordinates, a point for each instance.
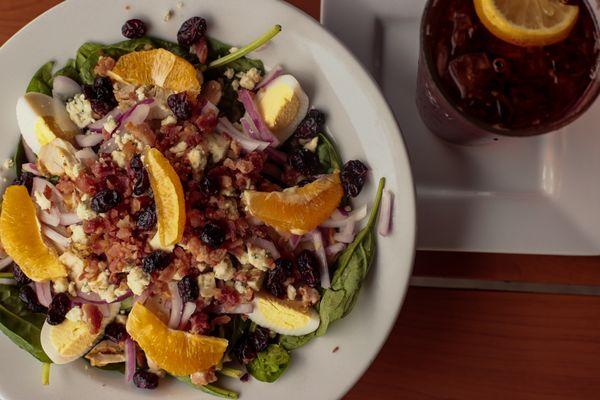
(32, 108)
(288, 80)
(277, 322)
(52, 352)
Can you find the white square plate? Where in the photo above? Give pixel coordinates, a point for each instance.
(525, 195)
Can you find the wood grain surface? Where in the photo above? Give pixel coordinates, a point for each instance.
(465, 344)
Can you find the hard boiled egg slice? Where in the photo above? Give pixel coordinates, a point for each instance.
(283, 316)
(42, 119)
(71, 339)
(283, 105)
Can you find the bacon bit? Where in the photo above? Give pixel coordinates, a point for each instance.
(93, 316)
(228, 297)
(200, 48)
(142, 132)
(104, 65)
(203, 378)
(206, 122)
(199, 323)
(212, 91)
(87, 184)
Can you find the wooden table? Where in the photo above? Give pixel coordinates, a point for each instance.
(450, 344)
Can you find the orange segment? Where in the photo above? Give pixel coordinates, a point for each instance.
(157, 67)
(299, 209)
(22, 239)
(169, 198)
(527, 23)
(177, 352)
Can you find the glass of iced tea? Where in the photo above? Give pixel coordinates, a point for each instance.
(474, 87)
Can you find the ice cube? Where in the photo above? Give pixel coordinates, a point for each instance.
(471, 73)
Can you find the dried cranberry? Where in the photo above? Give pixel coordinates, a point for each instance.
(145, 380)
(180, 105)
(188, 288)
(25, 179)
(141, 183)
(277, 276)
(354, 175)
(308, 268)
(210, 185)
(103, 88)
(212, 235)
(191, 31)
(305, 161)
(60, 305)
(251, 344)
(105, 200)
(101, 107)
(311, 125)
(28, 296)
(20, 276)
(133, 29)
(115, 332)
(156, 261)
(101, 95)
(146, 219)
(136, 163)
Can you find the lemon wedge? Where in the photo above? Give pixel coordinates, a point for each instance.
(527, 23)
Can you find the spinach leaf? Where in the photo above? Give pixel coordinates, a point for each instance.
(270, 364)
(19, 158)
(328, 154)
(21, 326)
(218, 49)
(118, 367)
(42, 80)
(351, 269)
(69, 70)
(210, 389)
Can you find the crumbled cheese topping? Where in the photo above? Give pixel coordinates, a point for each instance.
(229, 73)
(250, 78)
(141, 93)
(217, 146)
(74, 314)
(110, 125)
(84, 212)
(312, 144)
(80, 111)
(179, 148)
(197, 158)
(169, 120)
(168, 16)
(224, 270)
(207, 284)
(78, 235)
(8, 164)
(233, 50)
(138, 280)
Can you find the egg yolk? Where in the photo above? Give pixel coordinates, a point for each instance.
(283, 315)
(46, 130)
(71, 338)
(279, 106)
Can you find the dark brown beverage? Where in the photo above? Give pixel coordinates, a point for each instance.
(502, 85)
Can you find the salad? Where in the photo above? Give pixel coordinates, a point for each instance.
(178, 210)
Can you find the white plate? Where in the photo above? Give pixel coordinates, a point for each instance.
(358, 117)
(532, 195)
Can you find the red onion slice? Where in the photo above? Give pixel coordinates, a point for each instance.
(98, 126)
(94, 298)
(137, 115)
(50, 217)
(270, 77)
(142, 297)
(8, 281)
(176, 306)
(319, 246)
(346, 233)
(5, 262)
(85, 155)
(268, 246)
(64, 88)
(294, 241)
(246, 99)
(44, 295)
(249, 128)
(125, 116)
(385, 217)
(248, 144)
(335, 249)
(130, 359)
(89, 140)
(57, 238)
(68, 219)
(188, 309)
(31, 168)
(355, 216)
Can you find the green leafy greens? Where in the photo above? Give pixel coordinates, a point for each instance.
(42, 80)
(210, 389)
(270, 364)
(351, 269)
(328, 154)
(21, 326)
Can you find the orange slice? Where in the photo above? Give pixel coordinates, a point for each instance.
(177, 352)
(299, 209)
(22, 239)
(157, 67)
(169, 198)
(528, 23)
